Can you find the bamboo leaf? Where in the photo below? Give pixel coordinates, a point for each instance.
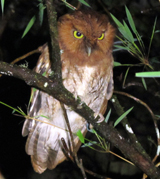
(89, 144)
(30, 24)
(155, 74)
(153, 31)
(41, 11)
(116, 64)
(125, 77)
(44, 116)
(14, 109)
(121, 47)
(130, 19)
(122, 117)
(128, 32)
(108, 115)
(84, 2)
(119, 24)
(2, 5)
(144, 83)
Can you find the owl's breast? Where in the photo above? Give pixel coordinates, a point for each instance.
(89, 83)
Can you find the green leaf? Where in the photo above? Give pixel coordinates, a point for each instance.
(108, 115)
(130, 19)
(116, 64)
(128, 32)
(34, 89)
(148, 74)
(44, 116)
(153, 31)
(14, 109)
(89, 144)
(85, 3)
(30, 24)
(125, 77)
(119, 24)
(2, 5)
(80, 135)
(41, 11)
(122, 117)
(120, 64)
(121, 47)
(44, 74)
(144, 83)
(157, 31)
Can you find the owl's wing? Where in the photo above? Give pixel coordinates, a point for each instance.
(110, 87)
(109, 92)
(44, 140)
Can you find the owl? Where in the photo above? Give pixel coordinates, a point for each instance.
(85, 40)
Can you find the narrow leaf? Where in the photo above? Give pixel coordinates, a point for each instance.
(80, 135)
(30, 24)
(89, 144)
(128, 32)
(14, 109)
(119, 24)
(44, 116)
(121, 47)
(144, 83)
(2, 5)
(154, 26)
(108, 115)
(130, 19)
(148, 74)
(116, 64)
(125, 77)
(84, 2)
(41, 11)
(122, 117)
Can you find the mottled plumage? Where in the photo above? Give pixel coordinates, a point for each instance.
(85, 40)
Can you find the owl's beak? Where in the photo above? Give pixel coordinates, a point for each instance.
(89, 51)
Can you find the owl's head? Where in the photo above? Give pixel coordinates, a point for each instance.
(85, 34)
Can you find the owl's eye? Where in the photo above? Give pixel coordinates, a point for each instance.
(101, 37)
(77, 34)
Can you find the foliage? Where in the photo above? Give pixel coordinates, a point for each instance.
(128, 40)
(2, 5)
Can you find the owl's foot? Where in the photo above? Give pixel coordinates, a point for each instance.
(101, 117)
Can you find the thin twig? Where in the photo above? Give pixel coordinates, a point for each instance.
(68, 125)
(38, 50)
(79, 163)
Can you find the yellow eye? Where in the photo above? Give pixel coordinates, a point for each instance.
(101, 37)
(77, 34)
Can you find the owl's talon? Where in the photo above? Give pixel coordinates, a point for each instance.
(101, 119)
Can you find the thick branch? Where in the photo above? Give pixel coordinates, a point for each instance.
(54, 48)
(60, 93)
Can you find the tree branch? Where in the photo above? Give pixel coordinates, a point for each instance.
(54, 48)
(58, 91)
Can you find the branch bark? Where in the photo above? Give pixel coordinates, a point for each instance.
(53, 45)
